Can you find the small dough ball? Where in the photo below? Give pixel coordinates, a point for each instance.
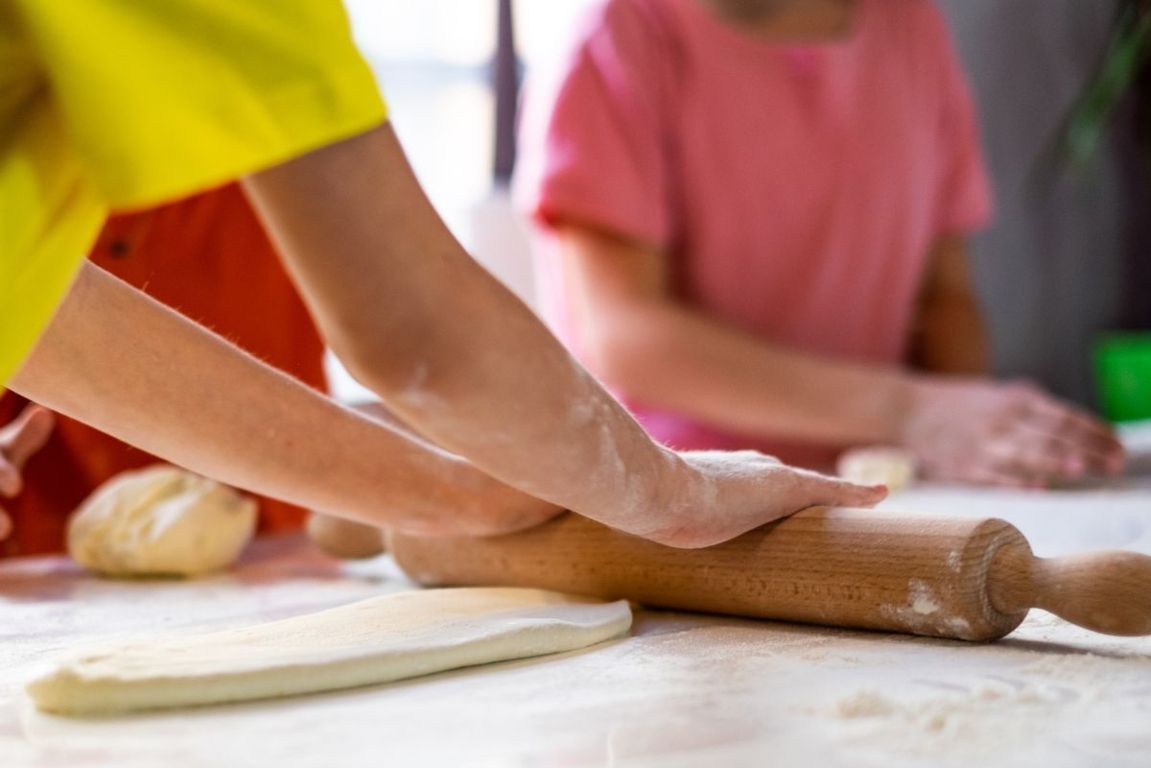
(345, 539)
(161, 521)
(893, 467)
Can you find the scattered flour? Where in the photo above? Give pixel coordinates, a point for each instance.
(865, 704)
(953, 726)
(965, 720)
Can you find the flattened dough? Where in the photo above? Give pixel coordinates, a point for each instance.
(380, 640)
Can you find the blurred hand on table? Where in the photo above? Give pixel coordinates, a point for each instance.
(973, 430)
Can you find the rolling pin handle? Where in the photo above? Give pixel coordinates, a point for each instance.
(1106, 592)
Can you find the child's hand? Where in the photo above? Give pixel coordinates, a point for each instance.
(1013, 434)
(18, 442)
(718, 495)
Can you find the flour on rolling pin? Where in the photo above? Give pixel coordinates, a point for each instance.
(920, 611)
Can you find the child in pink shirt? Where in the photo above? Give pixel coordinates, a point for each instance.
(754, 214)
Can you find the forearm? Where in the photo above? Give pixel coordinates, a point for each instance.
(670, 356)
(121, 362)
(480, 374)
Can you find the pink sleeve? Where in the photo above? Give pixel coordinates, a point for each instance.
(965, 199)
(594, 152)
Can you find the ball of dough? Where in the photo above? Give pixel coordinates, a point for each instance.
(161, 520)
(893, 467)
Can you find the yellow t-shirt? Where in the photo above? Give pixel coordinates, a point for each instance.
(120, 104)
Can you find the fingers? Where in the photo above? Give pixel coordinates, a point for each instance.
(834, 492)
(1038, 440)
(1028, 459)
(5, 525)
(10, 481)
(983, 474)
(26, 435)
(1085, 439)
(852, 495)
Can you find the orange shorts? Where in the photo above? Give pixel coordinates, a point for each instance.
(208, 257)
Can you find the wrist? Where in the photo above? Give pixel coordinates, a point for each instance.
(663, 508)
(642, 493)
(484, 506)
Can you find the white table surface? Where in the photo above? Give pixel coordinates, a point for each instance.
(683, 690)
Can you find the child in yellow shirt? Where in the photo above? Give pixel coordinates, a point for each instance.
(184, 95)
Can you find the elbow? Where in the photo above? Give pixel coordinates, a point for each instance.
(360, 363)
(386, 370)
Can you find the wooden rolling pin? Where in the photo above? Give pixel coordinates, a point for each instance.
(964, 578)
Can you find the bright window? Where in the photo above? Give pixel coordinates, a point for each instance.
(432, 59)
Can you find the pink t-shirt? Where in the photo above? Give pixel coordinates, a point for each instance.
(797, 187)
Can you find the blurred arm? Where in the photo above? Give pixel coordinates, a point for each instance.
(161, 390)
(641, 340)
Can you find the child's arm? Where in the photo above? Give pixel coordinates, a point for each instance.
(458, 357)
(645, 342)
(116, 359)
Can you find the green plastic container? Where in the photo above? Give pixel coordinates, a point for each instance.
(1123, 371)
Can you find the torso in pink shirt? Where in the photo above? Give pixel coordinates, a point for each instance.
(799, 188)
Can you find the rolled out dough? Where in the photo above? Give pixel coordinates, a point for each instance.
(379, 640)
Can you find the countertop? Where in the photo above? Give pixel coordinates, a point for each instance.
(682, 690)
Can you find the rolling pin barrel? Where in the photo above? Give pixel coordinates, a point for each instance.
(840, 567)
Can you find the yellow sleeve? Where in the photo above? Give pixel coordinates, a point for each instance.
(117, 104)
(163, 99)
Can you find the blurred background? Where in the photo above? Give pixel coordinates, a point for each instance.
(1067, 259)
